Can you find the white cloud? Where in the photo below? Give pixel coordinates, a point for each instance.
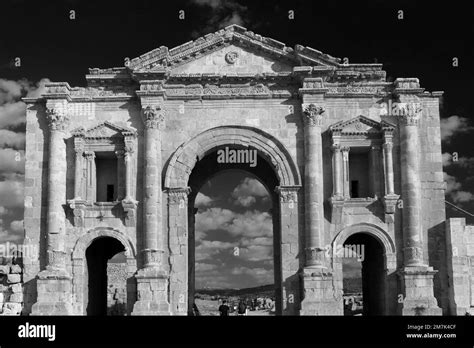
(453, 125)
(9, 91)
(207, 249)
(11, 194)
(202, 200)
(16, 226)
(9, 163)
(12, 114)
(12, 139)
(447, 159)
(249, 224)
(247, 191)
(453, 190)
(204, 267)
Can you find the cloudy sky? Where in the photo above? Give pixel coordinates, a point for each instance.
(50, 45)
(234, 237)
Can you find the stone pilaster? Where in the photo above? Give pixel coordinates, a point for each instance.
(129, 203)
(54, 283)
(91, 176)
(178, 243)
(390, 198)
(416, 276)
(337, 171)
(152, 279)
(288, 290)
(79, 150)
(345, 170)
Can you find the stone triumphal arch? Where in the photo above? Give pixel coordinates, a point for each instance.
(116, 166)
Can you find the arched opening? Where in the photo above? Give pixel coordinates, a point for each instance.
(234, 242)
(363, 275)
(105, 291)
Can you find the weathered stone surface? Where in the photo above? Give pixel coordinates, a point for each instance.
(13, 278)
(15, 269)
(318, 123)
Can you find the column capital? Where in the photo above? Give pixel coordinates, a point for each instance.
(79, 149)
(410, 113)
(153, 117)
(90, 155)
(377, 147)
(313, 114)
(288, 194)
(57, 119)
(176, 195)
(336, 148)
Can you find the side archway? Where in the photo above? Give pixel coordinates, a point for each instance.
(80, 265)
(85, 241)
(377, 254)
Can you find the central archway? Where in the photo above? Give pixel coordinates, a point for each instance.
(186, 171)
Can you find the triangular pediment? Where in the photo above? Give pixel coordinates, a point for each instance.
(104, 130)
(360, 125)
(233, 49)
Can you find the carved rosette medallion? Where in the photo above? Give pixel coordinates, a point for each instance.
(231, 57)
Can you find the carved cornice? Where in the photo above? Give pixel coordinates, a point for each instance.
(57, 119)
(153, 117)
(313, 115)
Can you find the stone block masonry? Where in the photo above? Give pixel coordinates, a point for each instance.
(11, 286)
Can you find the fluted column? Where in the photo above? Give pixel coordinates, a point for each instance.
(411, 190)
(128, 173)
(337, 168)
(314, 190)
(53, 285)
(345, 169)
(58, 122)
(91, 179)
(78, 172)
(152, 279)
(153, 241)
(388, 161)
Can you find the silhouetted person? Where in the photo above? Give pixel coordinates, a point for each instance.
(242, 309)
(224, 309)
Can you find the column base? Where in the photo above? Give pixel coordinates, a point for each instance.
(417, 283)
(54, 288)
(152, 292)
(320, 295)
